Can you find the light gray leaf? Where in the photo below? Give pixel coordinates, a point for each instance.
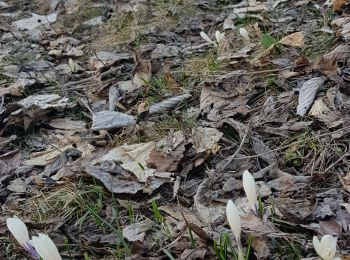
(113, 97)
(307, 94)
(167, 104)
(111, 119)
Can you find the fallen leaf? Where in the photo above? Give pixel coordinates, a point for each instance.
(295, 40)
(307, 94)
(338, 5)
(327, 64)
(168, 104)
(137, 231)
(111, 119)
(142, 72)
(261, 250)
(255, 225)
(193, 254)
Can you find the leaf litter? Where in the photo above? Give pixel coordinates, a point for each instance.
(126, 126)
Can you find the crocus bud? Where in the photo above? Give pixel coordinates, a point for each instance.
(325, 248)
(250, 189)
(219, 36)
(207, 39)
(20, 232)
(234, 221)
(243, 32)
(45, 247)
(18, 229)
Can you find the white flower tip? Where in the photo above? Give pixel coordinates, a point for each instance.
(219, 36)
(244, 33)
(45, 247)
(18, 229)
(250, 189)
(233, 219)
(326, 248)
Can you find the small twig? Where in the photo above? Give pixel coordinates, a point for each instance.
(247, 130)
(235, 73)
(333, 164)
(47, 20)
(98, 58)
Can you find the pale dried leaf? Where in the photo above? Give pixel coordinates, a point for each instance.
(307, 94)
(295, 40)
(111, 119)
(168, 104)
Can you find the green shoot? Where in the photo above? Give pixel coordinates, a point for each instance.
(260, 206)
(131, 213)
(156, 212)
(267, 40)
(193, 243)
(168, 254)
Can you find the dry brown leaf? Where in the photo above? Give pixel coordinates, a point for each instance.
(327, 64)
(331, 227)
(171, 82)
(142, 107)
(338, 5)
(142, 72)
(261, 250)
(252, 223)
(193, 254)
(295, 40)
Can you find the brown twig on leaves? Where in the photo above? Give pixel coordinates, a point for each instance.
(247, 130)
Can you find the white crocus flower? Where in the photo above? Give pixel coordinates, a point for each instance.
(45, 247)
(20, 232)
(234, 221)
(207, 39)
(326, 248)
(250, 189)
(244, 33)
(219, 36)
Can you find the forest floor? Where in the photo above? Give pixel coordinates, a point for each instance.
(125, 127)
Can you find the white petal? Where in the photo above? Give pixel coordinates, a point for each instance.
(18, 229)
(218, 36)
(250, 189)
(329, 242)
(243, 32)
(233, 219)
(206, 38)
(45, 247)
(317, 245)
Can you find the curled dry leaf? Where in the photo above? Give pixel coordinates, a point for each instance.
(142, 72)
(307, 94)
(104, 59)
(327, 64)
(111, 119)
(113, 97)
(167, 104)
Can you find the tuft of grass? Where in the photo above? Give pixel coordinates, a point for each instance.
(87, 11)
(201, 67)
(224, 248)
(118, 30)
(295, 154)
(78, 205)
(286, 249)
(267, 40)
(156, 212)
(320, 43)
